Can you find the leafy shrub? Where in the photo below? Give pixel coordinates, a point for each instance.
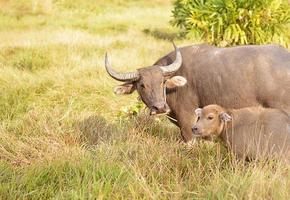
(233, 22)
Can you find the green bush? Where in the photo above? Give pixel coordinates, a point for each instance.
(234, 22)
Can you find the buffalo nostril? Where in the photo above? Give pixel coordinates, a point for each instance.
(159, 106)
(194, 128)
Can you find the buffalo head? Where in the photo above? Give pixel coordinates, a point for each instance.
(150, 82)
(211, 121)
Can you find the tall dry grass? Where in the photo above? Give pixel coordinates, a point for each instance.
(61, 136)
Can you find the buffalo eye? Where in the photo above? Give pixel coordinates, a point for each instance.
(142, 85)
(210, 117)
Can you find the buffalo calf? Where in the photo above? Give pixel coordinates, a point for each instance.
(252, 132)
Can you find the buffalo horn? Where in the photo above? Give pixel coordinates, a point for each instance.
(175, 65)
(124, 77)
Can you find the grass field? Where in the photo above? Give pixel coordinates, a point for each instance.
(63, 134)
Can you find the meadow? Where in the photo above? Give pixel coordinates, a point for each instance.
(65, 135)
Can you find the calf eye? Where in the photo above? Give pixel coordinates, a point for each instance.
(142, 85)
(210, 117)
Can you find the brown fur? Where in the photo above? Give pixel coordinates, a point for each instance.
(253, 132)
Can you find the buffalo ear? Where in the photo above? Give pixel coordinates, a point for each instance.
(175, 81)
(126, 88)
(225, 117)
(198, 111)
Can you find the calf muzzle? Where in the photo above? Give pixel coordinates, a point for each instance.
(196, 130)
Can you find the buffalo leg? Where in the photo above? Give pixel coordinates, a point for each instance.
(185, 122)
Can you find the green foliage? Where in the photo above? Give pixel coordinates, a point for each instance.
(132, 110)
(234, 22)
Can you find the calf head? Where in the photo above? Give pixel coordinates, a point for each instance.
(210, 121)
(150, 82)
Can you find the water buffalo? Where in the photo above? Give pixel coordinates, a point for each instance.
(199, 75)
(251, 132)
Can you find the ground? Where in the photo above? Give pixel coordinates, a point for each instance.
(65, 135)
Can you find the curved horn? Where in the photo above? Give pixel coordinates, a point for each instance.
(175, 65)
(129, 76)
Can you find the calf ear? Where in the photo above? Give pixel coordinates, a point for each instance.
(175, 81)
(198, 112)
(225, 117)
(126, 88)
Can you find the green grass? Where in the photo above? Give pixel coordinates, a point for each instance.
(61, 134)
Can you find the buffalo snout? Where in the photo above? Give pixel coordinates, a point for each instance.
(159, 108)
(196, 130)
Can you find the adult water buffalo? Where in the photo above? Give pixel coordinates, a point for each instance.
(233, 77)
